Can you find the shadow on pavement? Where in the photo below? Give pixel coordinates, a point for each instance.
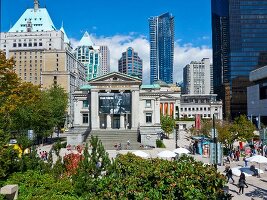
(257, 192)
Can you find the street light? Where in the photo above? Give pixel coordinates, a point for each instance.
(176, 135)
(215, 143)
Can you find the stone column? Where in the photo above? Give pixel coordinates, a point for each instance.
(122, 121)
(108, 121)
(94, 110)
(135, 109)
(157, 111)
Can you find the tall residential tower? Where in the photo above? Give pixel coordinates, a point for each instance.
(130, 63)
(161, 35)
(105, 59)
(89, 55)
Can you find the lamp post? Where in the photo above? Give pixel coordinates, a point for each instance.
(215, 142)
(176, 135)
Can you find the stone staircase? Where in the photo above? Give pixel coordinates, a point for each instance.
(109, 138)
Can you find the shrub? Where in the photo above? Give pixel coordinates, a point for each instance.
(160, 144)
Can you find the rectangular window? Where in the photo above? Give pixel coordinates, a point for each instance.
(148, 117)
(85, 104)
(148, 103)
(263, 92)
(85, 119)
(14, 45)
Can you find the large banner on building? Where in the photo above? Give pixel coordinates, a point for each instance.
(114, 103)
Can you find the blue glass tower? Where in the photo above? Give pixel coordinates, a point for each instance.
(239, 37)
(161, 32)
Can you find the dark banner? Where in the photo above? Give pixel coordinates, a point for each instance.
(114, 103)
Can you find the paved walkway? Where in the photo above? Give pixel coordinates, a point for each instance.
(257, 186)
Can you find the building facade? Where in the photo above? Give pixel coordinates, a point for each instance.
(204, 105)
(130, 63)
(105, 59)
(43, 54)
(257, 96)
(161, 36)
(118, 102)
(197, 77)
(89, 55)
(239, 36)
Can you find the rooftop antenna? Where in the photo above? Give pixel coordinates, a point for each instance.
(36, 5)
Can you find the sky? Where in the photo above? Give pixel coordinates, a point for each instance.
(121, 23)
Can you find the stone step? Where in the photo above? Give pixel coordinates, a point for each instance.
(110, 138)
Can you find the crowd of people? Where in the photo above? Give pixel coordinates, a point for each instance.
(43, 155)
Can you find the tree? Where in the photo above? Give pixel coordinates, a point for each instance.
(58, 101)
(225, 135)
(91, 167)
(167, 124)
(8, 156)
(243, 128)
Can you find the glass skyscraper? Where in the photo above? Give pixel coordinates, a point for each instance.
(239, 37)
(89, 55)
(161, 32)
(130, 63)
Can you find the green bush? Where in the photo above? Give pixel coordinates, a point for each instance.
(132, 177)
(160, 144)
(35, 185)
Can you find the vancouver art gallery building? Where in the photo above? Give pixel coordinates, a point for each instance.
(119, 102)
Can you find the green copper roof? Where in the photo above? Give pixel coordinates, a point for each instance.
(86, 87)
(86, 40)
(39, 18)
(154, 86)
(66, 39)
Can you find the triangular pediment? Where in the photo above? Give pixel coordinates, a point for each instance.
(115, 78)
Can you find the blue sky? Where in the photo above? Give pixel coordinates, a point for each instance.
(110, 17)
(125, 22)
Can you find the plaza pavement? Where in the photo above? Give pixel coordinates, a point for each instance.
(257, 186)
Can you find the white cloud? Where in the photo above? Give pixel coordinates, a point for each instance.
(183, 54)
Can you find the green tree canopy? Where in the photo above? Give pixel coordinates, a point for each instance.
(242, 128)
(167, 124)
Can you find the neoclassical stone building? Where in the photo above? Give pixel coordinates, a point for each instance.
(118, 105)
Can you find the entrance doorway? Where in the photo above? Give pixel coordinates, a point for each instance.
(115, 122)
(103, 121)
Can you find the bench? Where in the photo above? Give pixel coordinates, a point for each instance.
(10, 191)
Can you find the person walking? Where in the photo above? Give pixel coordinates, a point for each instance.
(242, 183)
(229, 174)
(245, 161)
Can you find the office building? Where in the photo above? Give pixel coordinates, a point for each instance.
(161, 36)
(239, 37)
(89, 55)
(197, 77)
(130, 63)
(257, 96)
(105, 59)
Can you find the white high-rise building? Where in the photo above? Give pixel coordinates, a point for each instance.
(197, 77)
(89, 55)
(105, 59)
